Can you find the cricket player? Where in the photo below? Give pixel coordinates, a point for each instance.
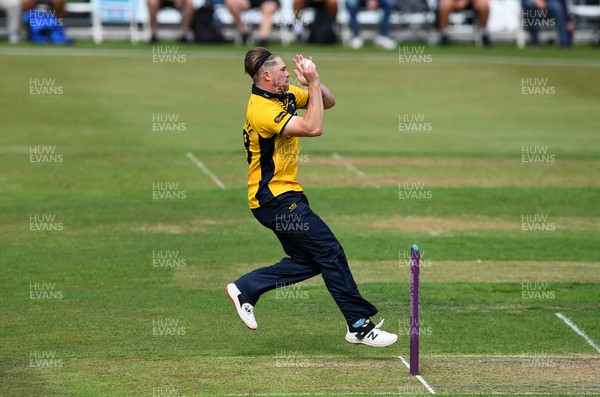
(271, 133)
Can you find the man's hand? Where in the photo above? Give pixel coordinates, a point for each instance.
(328, 98)
(372, 4)
(307, 75)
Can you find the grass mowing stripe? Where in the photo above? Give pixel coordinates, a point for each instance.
(346, 56)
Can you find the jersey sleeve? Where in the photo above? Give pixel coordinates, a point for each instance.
(301, 96)
(271, 119)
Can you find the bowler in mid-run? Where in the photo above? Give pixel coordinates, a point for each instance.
(271, 133)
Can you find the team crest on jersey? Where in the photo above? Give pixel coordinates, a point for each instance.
(279, 117)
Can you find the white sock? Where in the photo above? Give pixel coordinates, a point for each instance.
(298, 27)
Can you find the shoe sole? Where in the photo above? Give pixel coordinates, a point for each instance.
(236, 308)
(359, 342)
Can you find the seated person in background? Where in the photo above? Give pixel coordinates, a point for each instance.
(330, 5)
(56, 27)
(57, 5)
(13, 15)
(267, 8)
(187, 15)
(382, 39)
(558, 10)
(481, 7)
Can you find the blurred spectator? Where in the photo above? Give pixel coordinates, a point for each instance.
(535, 12)
(330, 7)
(382, 39)
(58, 5)
(206, 25)
(13, 16)
(46, 25)
(187, 14)
(482, 9)
(267, 8)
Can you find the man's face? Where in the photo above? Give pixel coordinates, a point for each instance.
(280, 77)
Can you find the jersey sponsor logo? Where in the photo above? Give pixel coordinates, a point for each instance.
(279, 117)
(293, 207)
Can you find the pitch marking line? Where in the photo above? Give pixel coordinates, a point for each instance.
(570, 323)
(206, 170)
(355, 393)
(487, 393)
(351, 167)
(485, 356)
(419, 377)
(429, 356)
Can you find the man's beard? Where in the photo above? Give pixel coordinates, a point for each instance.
(283, 89)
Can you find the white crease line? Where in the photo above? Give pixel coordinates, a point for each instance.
(409, 394)
(326, 356)
(580, 332)
(206, 171)
(355, 393)
(483, 356)
(430, 356)
(522, 393)
(351, 167)
(419, 377)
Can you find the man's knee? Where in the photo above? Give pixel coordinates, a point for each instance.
(268, 7)
(446, 5)
(237, 5)
(481, 5)
(462, 4)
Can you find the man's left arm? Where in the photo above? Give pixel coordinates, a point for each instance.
(328, 98)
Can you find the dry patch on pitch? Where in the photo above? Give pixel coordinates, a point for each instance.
(202, 277)
(438, 226)
(195, 226)
(477, 271)
(167, 229)
(531, 372)
(199, 276)
(451, 172)
(289, 372)
(293, 373)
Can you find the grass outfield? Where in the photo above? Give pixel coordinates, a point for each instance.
(88, 309)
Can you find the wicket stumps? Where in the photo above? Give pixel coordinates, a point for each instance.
(415, 258)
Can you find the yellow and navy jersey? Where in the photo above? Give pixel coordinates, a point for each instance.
(272, 158)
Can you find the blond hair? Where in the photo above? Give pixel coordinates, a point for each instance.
(256, 59)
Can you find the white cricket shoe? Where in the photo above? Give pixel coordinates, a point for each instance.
(244, 309)
(384, 42)
(356, 42)
(370, 335)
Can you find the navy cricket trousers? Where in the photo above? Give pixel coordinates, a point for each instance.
(312, 249)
